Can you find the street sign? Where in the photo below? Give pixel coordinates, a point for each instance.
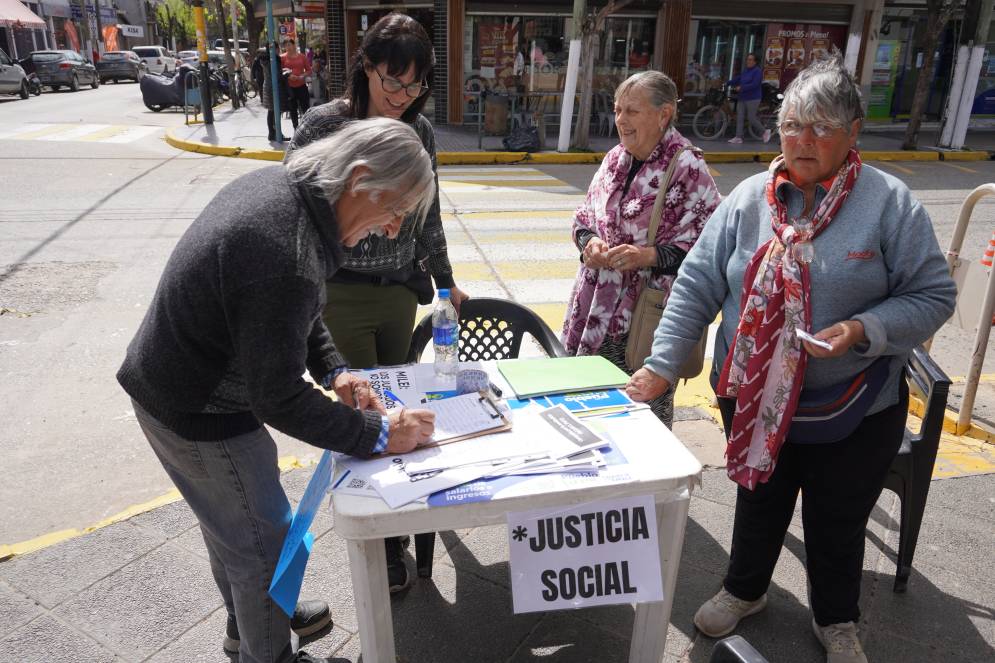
(131, 30)
(596, 553)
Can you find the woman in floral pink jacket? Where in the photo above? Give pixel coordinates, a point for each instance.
(610, 228)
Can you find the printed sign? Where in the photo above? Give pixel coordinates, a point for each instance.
(131, 30)
(597, 553)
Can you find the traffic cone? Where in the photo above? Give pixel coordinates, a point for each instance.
(989, 256)
(986, 262)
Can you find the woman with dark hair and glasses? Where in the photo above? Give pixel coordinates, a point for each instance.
(373, 298)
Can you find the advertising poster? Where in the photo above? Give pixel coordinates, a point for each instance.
(497, 45)
(790, 47)
(796, 54)
(883, 80)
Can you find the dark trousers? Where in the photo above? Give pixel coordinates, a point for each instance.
(839, 482)
(300, 101)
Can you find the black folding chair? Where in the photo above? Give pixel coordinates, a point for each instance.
(912, 469)
(489, 329)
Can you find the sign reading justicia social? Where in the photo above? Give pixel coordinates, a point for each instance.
(596, 553)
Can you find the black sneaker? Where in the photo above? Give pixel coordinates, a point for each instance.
(309, 618)
(397, 572)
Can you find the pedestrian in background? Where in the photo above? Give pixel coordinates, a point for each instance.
(837, 248)
(234, 324)
(372, 300)
(610, 229)
(298, 68)
(749, 85)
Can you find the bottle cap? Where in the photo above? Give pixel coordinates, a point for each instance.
(443, 293)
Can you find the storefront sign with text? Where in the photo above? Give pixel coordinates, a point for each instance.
(597, 553)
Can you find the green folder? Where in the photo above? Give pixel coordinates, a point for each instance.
(561, 375)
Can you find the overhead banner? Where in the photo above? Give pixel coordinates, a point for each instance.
(597, 553)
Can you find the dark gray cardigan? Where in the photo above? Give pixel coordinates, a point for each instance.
(237, 318)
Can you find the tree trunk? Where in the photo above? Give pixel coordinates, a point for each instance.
(592, 29)
(582, 132)
(229, 59)
(939, 13)
(253, 26)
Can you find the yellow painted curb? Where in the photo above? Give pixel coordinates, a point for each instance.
(898, 155)
(974, 432)
(730, 157)
(965, 156)
(10, 550)
(475, 158)
(566, 157)
(262, 155)
(201, 148)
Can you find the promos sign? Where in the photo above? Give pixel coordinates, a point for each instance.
(597, 553)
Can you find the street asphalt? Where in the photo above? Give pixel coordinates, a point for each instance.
(104, 565)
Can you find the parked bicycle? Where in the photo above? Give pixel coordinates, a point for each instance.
(719, 112)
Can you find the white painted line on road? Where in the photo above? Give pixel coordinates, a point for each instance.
(133, 134)
(94, 133)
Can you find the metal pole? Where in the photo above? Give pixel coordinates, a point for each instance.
(236, 75)
(274, 69)
(205, 72)
(985, 318)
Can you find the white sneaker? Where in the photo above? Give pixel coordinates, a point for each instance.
(841, 642)
(766, 135)
(736, 140)
(720, 614)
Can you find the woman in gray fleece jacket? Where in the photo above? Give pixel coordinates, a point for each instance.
(824, 245)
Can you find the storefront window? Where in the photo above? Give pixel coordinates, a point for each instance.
(783, 49)
(984, 98)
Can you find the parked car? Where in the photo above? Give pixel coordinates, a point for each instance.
(12, 78)
(69, 68)
(118, 66)
(188, 57)
(243, 44)
(157, 59)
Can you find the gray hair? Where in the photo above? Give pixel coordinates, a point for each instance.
(823, 92)
(391, 153)
(660, 89)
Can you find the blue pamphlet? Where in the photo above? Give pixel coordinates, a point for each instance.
(286, 584)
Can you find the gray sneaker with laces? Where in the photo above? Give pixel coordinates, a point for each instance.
(721, 613)
(841, 642)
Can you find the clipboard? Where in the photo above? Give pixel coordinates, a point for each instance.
(467, 416)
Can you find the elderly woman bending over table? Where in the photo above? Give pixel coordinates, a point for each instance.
(610, 228)
(827, 245)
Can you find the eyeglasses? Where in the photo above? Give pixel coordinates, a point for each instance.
(392, 85)
(794, 129)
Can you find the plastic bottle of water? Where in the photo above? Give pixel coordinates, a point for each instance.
(445, 336)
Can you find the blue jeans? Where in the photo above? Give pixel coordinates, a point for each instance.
(233, 487)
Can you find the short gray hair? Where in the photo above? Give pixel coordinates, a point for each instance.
(660, 89)
(823, 92)
(391, 152)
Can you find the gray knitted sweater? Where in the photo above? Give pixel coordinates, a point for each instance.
(236, 319)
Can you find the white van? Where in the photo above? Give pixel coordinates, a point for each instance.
(157, 58)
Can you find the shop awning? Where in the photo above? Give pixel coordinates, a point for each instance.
(15, 15)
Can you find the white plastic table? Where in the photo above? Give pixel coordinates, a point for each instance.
(668, 471)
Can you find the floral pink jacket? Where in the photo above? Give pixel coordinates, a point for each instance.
(602, 301)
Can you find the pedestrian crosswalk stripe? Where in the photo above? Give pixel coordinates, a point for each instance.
(91, 133)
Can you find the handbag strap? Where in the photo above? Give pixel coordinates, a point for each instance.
(660, 195)
(658, 206)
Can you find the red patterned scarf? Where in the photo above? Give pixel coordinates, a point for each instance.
(765, 367)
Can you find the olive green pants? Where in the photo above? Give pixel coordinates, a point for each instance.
(371, 324)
